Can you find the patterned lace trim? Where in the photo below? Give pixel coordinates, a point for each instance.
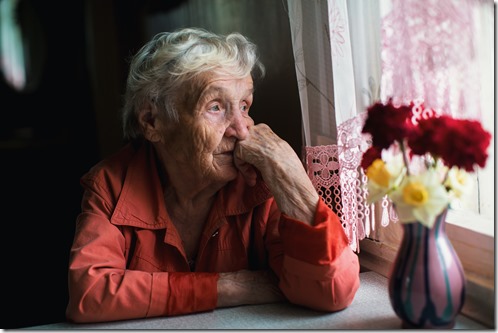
(336, 174)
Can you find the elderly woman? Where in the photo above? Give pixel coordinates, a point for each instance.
(202, 208)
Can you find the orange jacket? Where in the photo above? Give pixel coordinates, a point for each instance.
(127, 260)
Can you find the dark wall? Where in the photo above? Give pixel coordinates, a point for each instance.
(46, 142)
(53, 134)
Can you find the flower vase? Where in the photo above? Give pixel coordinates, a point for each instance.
(427, 282)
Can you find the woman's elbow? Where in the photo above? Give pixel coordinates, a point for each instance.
(336, 296)
(334, 291)
(343, 294)
(75, 315)
(344, 286)
(82, 310)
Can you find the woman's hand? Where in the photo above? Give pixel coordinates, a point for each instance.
(248, 287)
(281, 169)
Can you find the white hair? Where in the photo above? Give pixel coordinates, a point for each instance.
(171, 59)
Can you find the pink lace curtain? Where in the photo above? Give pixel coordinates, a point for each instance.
(349, 54)
(439, 53)
(430, 53)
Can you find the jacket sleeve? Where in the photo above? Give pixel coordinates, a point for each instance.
(101, 288)
(317, 268)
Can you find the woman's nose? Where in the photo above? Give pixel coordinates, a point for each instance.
(239, 126)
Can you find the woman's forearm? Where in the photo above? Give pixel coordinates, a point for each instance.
(247, 287)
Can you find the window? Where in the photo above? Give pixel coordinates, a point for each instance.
(11, 49)
(22, 48)
(341, 68)
(470, 226)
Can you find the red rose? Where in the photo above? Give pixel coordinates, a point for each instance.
(387, 123)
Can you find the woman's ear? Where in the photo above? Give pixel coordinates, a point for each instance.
(148, 118)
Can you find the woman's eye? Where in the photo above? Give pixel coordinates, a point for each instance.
(215, 108)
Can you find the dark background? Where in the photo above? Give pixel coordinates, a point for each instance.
(67, 120)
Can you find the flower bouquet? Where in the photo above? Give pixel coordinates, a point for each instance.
(421, 165)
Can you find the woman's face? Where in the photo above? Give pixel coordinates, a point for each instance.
(212, 117)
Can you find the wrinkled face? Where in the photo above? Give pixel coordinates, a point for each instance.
(212, 117)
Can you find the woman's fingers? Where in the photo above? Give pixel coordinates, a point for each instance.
(247, 170)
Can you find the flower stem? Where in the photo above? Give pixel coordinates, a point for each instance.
(446, 175)
(405, 158)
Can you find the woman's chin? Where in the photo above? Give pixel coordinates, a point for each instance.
(227, 172)
(230, 172)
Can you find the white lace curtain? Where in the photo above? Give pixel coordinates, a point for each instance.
(332, 113)
(349, 54)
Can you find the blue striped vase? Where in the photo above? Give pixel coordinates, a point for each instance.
(427, 282)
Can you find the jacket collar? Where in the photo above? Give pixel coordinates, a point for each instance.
(141, 202)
